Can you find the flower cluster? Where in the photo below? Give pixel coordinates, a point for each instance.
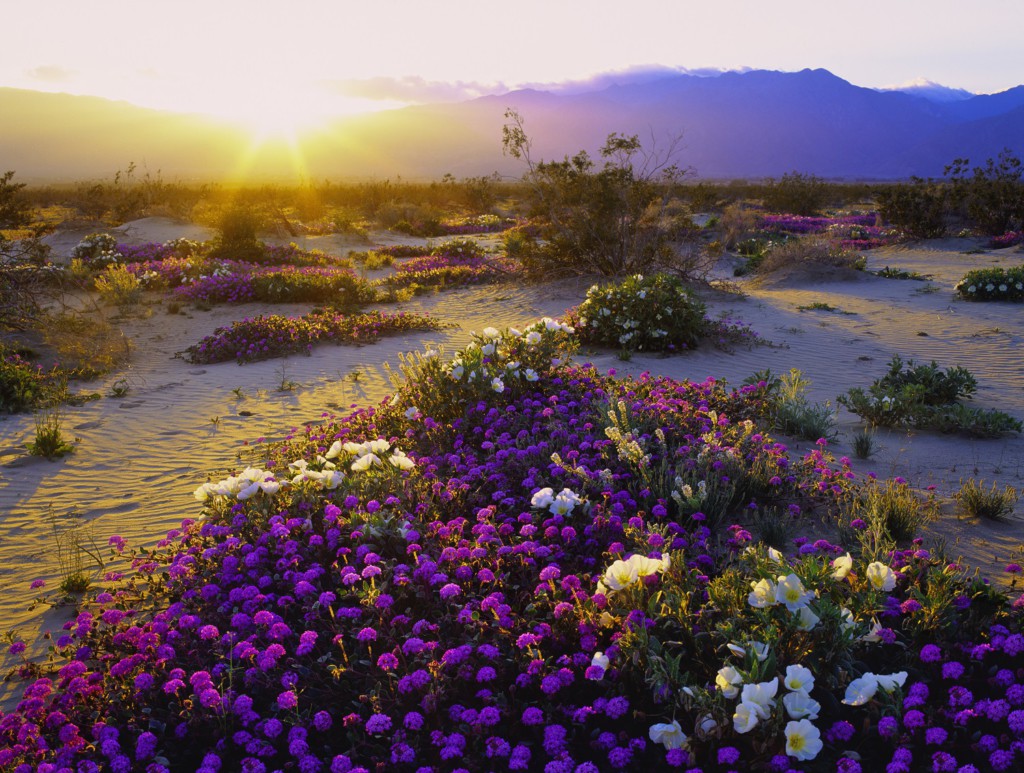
(992, 284)
(271, 335)
(655, 314)
(403, 589)
(450, 270)
(1008, 239)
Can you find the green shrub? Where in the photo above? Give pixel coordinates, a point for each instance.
(645, 314)
(789, 410)
(889, 512)
(119, 287)
(23, 386)
(991, 504)
(918, 207)
(926, 397)
(992, 284)
(339, 290)
(992, 196)
(796, 194)
(236, 238)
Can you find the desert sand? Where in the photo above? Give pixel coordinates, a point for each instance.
(140, 457)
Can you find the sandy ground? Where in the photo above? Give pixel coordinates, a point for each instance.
(139, 457)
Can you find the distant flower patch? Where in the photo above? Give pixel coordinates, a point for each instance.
(266, 337)
(857, 232)
(1008, 239)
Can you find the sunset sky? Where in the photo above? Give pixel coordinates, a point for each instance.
(277, 66)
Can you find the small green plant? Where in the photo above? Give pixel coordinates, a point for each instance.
(992, 284)
(285, 384)
(821, 306)
(864, 446)
(885, 512)
(897, 273)
(991, 504)
(792, 414)
(173, 307)
(76, 549)
(120, 388)
(239, 393)
(49, 441)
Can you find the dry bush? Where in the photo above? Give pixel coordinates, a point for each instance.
(807, 251)
(85, 344)
(737, 223)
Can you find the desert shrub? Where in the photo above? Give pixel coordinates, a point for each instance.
(864, 445)
(619, 218)
(459, 247)
(86, 346)
(15, 209)
(644, 314)
(991, 504)
(899, 273)
(926, 397)
(992, 284)
(49, 440)
(737, 223)
(797, 194)
(918, 207)
(806, 251)
(992, 196)
(119, 287)
(236, 239)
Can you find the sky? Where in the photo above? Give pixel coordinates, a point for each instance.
(278, 66)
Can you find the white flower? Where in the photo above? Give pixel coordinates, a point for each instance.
(890, 682)
(746, 717)
(736, 649)
(457, 372)
(365, 462)
(791, 592)
(881, 576)
(487, 349)
(412, 413)
(801, 706)
(491, 332)
(762, 595)
(533, 338)
(874, 634)
(775, 555)
(706, 725)
(861, 690)
(401, 461)
(564, 503)
(848, 621)
(543, 498)
(600, 660)
(670, 735)
(621, 574)
(497, 385)
(843, 566)
(760, 695)
(728, 681)
(799, 679)
(803, 740)
(806, 619)
(530, 374)
(760, 650)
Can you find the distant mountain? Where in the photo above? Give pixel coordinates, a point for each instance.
(936, 92)
(737, 125)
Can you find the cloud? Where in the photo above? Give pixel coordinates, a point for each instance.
(51, 73)
(638, 74)
(413, 88)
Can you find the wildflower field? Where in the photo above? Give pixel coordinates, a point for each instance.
(517, 563)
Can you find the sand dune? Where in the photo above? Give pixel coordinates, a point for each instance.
(140, 457)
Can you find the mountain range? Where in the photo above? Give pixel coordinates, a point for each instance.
(750, 124)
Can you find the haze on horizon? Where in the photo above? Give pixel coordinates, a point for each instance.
(279, 69)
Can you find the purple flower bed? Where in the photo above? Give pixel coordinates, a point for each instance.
(236, 282)
(799, 224)
(451, 271)
(269, 336)
(519, 565)
(1008, 239)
